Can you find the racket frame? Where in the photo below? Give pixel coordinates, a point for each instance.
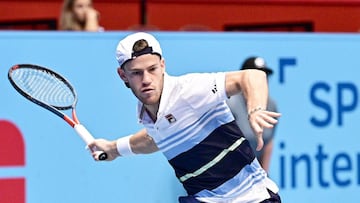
(55, 109)
(74, 121)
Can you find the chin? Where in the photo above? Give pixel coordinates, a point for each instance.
(146, 102)
(150, 101)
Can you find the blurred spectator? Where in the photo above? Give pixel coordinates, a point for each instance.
(79, 15)
(238, 107)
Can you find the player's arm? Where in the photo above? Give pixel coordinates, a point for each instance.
(142, 143)
(253, 84)
(138, 143)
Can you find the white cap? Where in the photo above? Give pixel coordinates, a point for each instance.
(125, 52)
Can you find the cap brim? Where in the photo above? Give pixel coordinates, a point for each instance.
(267, 70)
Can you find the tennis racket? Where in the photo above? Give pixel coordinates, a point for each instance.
(51, 91)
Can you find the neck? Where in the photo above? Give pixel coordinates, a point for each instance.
(152, 111)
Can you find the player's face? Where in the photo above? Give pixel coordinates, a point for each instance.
(80, 8)
(145, 77)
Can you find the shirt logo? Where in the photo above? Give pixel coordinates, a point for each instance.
(170, 118)
(214, 90)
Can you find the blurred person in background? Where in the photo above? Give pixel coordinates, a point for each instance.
(237, 104)
(79, 15)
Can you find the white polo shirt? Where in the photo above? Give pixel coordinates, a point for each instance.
(197, 133)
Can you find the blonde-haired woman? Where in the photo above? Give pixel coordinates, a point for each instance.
(79, 15)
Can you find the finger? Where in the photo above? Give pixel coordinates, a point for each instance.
(260, 143)
(259, 138)
(258, 130)
(267, 116)
(272, 114)
(271, 120)
(263, 123)
(95, 156)
(91, 145)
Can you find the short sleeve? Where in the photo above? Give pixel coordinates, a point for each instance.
(201, 90)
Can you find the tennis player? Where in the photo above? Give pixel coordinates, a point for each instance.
(187, 119)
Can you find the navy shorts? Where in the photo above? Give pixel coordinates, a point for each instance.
(188, 199)
(274, 198)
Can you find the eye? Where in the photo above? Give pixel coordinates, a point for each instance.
(152, 69)
(136, 73)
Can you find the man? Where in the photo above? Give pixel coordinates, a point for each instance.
(237, 106)
(187, 119)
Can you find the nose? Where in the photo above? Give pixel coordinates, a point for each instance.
(146, 80)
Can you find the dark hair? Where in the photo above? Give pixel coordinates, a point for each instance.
(140, 45)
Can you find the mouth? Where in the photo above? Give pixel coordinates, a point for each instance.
(147, 90)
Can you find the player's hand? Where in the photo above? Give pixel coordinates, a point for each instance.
(259, 120)
(109, 147)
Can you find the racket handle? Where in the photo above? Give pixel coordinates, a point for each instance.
(88, 138)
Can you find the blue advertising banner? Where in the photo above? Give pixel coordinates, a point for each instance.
(315, 83)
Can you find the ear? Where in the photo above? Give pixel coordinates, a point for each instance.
(122, 75)
(162, 64)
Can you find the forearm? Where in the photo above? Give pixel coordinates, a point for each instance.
(255, 89)
(138, 143)
(142, 143)
(253, 85)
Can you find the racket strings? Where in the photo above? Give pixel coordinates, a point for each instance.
(44, 86)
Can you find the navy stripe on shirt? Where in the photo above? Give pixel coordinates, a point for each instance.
(204, 152)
